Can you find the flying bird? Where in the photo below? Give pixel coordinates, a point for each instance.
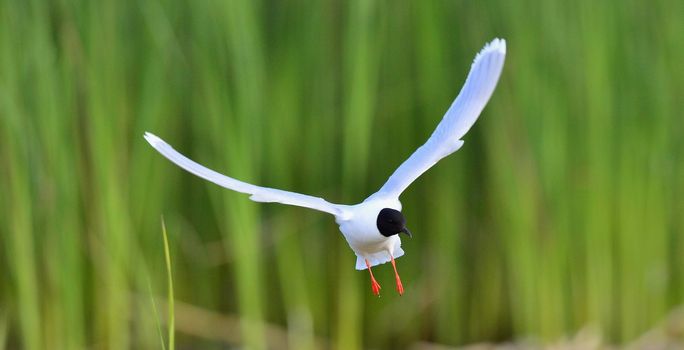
(372, 227)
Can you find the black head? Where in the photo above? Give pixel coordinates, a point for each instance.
(391, 222)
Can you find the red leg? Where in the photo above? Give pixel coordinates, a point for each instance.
(374, 284)
(400, 287)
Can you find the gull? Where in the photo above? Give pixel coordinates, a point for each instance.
(372, 227)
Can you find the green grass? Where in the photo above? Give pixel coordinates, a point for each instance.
(561, 211)
(170, 315)
(169, 276)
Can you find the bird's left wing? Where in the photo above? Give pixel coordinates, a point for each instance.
(446, 139)
(258, 194)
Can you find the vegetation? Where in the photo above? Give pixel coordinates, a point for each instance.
(562, 211)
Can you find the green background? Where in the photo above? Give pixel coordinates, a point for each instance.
(561, 213)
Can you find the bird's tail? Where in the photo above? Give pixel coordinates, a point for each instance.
(378, 258)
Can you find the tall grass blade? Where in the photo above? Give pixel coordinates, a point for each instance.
(169, 280)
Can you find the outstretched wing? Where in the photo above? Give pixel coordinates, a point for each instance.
(258, 194)
(446, 139)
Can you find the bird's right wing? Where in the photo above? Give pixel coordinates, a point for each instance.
(258, 194)
(446, 139)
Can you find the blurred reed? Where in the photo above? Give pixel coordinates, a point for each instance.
(562, 210)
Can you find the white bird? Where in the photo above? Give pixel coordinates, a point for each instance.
(372, 227)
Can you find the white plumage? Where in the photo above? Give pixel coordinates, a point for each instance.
(360, 223)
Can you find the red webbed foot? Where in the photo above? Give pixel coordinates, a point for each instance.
(375, 286)
(400, 287)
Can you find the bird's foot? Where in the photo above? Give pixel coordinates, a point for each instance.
(400, 287)
(375, 286)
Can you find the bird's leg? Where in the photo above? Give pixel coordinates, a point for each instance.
(374, 284)
(400, 287)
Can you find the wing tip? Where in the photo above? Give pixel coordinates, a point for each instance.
(497, 45)
(152, 139)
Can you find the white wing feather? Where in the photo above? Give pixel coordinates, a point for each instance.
(258, 194)
(446, 139)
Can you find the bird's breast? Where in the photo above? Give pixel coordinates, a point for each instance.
(363, 239)
(361, 230)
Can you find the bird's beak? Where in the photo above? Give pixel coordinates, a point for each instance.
(407, 232)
